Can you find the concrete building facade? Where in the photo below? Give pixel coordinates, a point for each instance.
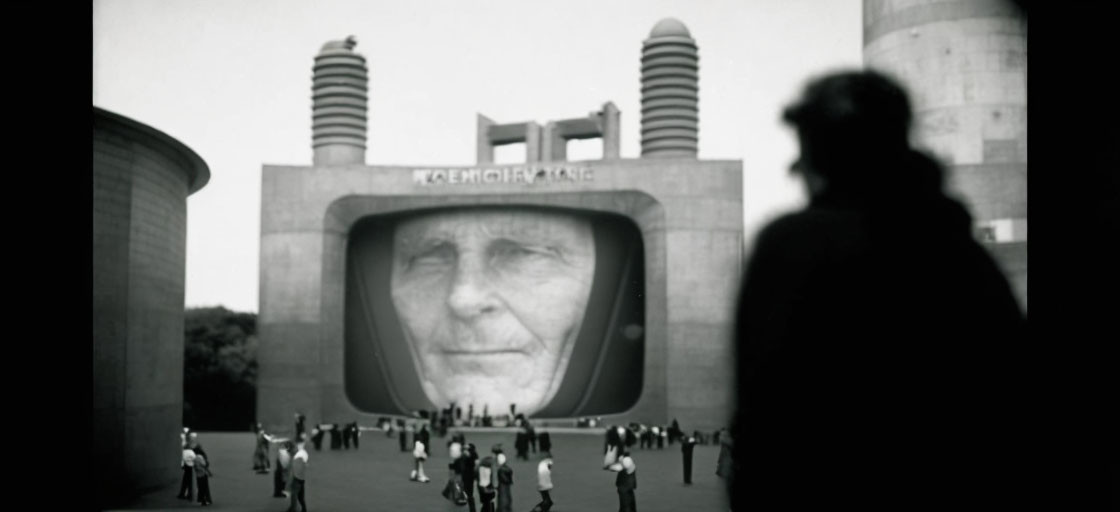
(965, 65)
(141, 180)
(688, 213)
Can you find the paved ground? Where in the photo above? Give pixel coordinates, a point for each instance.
(375, 478)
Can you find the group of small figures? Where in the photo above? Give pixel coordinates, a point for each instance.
(195, 464)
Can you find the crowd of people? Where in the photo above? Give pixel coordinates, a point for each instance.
(472, 476)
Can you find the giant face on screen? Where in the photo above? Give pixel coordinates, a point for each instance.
(537, 307)
(491, 301)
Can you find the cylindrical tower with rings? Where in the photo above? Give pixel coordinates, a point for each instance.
(338, 112)
(670, 92)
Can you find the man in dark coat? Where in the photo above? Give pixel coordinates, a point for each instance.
(486, 478)
(300, 428)
(521, 444)
(545, 441)
(424, 436)
(336, 436)
(317, 434)
(687, 444)
(505, 484)
(879, 343)
(468, 469)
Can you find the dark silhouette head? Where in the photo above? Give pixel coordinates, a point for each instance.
(854, 131)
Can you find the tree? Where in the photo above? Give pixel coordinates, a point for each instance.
(220, 369)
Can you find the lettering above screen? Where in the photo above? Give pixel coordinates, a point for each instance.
(527, 175)
(542, 308)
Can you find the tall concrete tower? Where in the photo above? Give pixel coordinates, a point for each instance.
(338, 111)
(965, 65)
(670, 89)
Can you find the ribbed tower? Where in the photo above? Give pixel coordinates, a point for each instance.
(670, 89)
(338, 112)
(965, 64)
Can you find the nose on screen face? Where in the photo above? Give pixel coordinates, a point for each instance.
(471, 293)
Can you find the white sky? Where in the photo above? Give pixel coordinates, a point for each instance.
(232, 80)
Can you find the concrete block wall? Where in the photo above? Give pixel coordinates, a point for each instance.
(141, 181)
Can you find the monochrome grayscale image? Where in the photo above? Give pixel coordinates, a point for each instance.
(572, 256)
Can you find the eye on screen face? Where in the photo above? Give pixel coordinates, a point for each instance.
(491, 301)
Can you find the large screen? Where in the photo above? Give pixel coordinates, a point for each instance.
(541, 308)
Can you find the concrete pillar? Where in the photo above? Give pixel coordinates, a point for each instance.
(611, 119)
(141, 180)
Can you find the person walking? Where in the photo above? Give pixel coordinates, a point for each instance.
(505, 484)
(298, 485)
(545, 441)
(300, 428)
(521, 444)
(626, 481)
(186, 487)
(402, 436)
(687, 444)
(317, 434)
(453, 490)
(260, 454)
(468, 469)
(419, 455)
(487, 475)
(283, 467)
(425, 437)
(202, 475)
(544, 482)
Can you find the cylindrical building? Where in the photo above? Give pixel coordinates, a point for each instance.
(965, 65)
(670, 92)
(141, 180)
(338, 112)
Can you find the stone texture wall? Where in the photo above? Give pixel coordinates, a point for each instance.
(141, 179)
(689, 213)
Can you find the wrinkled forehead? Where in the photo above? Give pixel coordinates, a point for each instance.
(526, 225)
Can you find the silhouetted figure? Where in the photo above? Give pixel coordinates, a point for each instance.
(424, 436)
(487, 482)
(260, 454)
(281, 476)
(202, 475)
(687, 444)
(402, 436)
(521, 444)
(186, 486)
(317, 434)
(505, 484)
(298, 477)
(300, 429)
(877, 338)
(545, 440)
(618, 460)
(468, 468)
(336, 436)
(544, 481)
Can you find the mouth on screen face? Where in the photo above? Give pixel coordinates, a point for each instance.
(483, 352)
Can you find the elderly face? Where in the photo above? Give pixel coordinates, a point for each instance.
(491, 302)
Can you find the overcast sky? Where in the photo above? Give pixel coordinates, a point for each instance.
(232, 80)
